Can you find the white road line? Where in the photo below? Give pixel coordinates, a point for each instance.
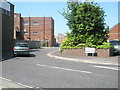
(112, 68)
(23, 85)
(64, 68)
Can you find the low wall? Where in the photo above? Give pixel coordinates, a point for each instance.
(81, 52)
(105, 52)
(32, 44)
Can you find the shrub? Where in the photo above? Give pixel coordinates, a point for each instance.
(68, 42)
(83, 45)
(68, 47)
(105, 46)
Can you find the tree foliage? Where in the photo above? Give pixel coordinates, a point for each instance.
(86, 23)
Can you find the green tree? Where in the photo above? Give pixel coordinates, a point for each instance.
(86, 23)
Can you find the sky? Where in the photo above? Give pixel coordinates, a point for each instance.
(52, 9)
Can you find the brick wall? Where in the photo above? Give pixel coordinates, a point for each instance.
(40, 28)
(18, 32)
(81, 52)
(115, 32)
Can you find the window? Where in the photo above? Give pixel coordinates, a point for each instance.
(34, 23)
(0, 10)
(3, 11)
(25, 23)
(26, 33)
(8, 13)
(21, 45)
(35, 33)
(25, 30)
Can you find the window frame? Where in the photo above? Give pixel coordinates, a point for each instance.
(26, 33)
(35, 33)
(25, 23)
(35, 23)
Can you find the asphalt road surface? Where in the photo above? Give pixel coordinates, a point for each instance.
(39, 70)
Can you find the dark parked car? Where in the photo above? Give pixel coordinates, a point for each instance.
(116, 44)
(21, 49)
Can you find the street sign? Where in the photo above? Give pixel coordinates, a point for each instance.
(89, 50)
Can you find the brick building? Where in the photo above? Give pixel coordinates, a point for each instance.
(6, 29)
(34, 29)
(59, 38)
(18, 32)
(115, 32)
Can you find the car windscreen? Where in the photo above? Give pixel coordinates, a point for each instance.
(115, 42)
(21, 45)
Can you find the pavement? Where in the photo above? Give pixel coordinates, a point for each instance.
(6, 83)
(86, 59)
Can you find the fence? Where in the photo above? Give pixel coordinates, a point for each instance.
(32, 44)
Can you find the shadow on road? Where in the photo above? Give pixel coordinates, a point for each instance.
(33, 50)
(31, 55)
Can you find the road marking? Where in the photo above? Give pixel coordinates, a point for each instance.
(67, 69)
(23, 85)
(112, 68)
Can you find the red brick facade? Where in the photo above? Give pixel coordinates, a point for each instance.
(115, 32)
(18, 33)
(40, 28)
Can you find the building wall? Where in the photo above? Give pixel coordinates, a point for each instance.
(40, 28)
(8, 33)
(115, 32)
(18, 33)
(60, 38)
(0, 36)
(33, 28)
